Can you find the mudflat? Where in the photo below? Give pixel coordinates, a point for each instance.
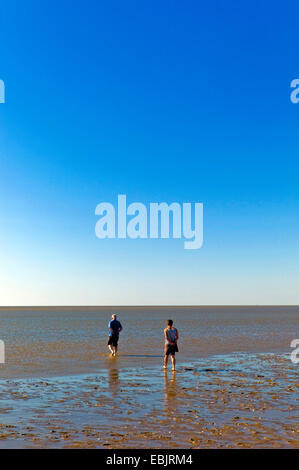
(235, 385)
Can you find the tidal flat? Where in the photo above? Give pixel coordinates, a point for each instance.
(226, 401)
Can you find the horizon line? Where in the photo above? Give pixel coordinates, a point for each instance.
(2, 307)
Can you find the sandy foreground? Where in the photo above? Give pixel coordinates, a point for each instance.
(227, 401)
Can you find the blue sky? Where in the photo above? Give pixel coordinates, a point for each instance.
(161, 101)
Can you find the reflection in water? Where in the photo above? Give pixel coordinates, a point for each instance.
(170, 391)
(113, 381)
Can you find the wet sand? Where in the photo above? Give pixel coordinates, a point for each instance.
(229, 401)
(67, 392)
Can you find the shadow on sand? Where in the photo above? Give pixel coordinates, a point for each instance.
(137, 355)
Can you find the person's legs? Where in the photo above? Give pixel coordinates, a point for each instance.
(165, 356)
(110, 345)
(165, 361)
(114, 344)
(173, 361)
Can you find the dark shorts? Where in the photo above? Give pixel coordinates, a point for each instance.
(171, 349)
(113, 340)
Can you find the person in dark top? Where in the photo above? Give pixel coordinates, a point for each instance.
(114, 329)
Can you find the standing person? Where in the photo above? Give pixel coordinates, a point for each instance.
(171, 336)
(114, 329)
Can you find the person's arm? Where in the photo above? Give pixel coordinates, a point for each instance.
(165, 334)
(120, 328)
(176, 337)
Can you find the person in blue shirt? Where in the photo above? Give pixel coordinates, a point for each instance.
(171, 337)
(114, 329)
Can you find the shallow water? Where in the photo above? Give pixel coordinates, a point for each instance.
(60, 341)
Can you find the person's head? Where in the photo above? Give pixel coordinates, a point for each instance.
(114, 316)
(169, 323)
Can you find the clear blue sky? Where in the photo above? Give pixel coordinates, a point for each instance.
(162, 101)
